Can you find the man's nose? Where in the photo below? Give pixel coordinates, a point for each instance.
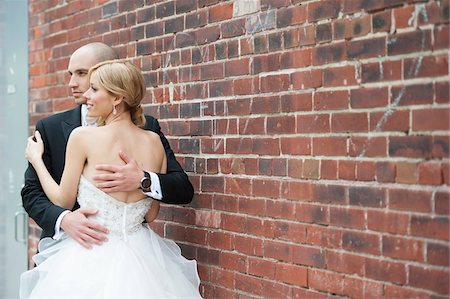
(73, 82)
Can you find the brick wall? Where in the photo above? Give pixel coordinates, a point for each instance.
(316, 134)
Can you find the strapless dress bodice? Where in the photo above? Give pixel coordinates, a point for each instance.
(120, 218)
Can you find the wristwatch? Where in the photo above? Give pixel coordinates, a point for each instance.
(146, 182)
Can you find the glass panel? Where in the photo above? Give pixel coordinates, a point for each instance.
(13, 134)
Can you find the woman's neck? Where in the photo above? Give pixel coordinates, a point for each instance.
(120, 116)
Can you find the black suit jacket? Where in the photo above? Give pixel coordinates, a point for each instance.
(55, 131)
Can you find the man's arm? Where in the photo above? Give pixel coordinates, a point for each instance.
(175, 185)
(34, 200)
(45, 213)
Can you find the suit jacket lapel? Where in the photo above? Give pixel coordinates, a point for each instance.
(72, 121)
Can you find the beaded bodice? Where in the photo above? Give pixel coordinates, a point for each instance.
(119, 217)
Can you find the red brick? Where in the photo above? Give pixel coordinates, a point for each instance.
(233, 28)
(430, 279)
(442, 92)
(274, 83)
(388, 221)
(347, 217)
(441, 37)
(310, 169)
(295, 59)
(442, 203)
(406, 173)
(220, 12)
(281, 125)
(294, 232)
(323, 10)
(366, 48)
(326, 281)
(402, 16)
(317, 123)
(329, 193)
(296, 102)
(238, 186)
(361, 242)
(347, 170)
(237, 67)
(306, 79)
(348, 28)
(386, 270)
(369, 97)
(291, 16)
(306, 35)
(410, 200)
(345, 263)
(381, 71)
(329, 53)
(220, 240)
(261, 267)
(296, 190)
(430, 227)
(331, 100)
(367, 196)
(430, 173)
(409, 42)
(291, 274)
(328, 169)
(340, 76)
(245, 86)
(311, 213)
(410, 146)
(349, 122)
(430, 66)
(296, 145)
(438, 254)
(394, 291)
(280, 209)
(421, 120)
(324, 236)
(329, 146)
(252, 126)
(251, 206)
(248, 245)
(266, 188)
(365, 171)
(403, 248)
(265, 105)
(395, 120)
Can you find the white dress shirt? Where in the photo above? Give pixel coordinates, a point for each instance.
(155, 188)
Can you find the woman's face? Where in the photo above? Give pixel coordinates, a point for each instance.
(99, 100)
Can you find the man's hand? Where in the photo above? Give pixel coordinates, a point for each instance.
(121, 178)
(86, 232)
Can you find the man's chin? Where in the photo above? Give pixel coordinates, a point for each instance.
(80, 101)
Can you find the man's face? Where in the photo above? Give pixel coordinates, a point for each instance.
(79, 64)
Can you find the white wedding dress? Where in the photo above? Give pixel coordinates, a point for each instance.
(134, 263)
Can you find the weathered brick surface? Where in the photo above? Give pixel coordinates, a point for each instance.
(315, 133)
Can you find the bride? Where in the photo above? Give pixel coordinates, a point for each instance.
(135, 262)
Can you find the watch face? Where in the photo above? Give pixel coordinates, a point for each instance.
(146, 183)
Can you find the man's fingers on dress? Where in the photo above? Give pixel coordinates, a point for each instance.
(87, 211)
(98, 231)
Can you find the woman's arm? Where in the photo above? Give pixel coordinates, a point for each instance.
(63, 195)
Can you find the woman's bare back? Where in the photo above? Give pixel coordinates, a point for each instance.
(104, 143)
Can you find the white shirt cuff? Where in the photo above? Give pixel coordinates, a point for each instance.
(58, 232)
(155, 188)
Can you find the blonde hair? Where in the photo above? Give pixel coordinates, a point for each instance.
(123, 79)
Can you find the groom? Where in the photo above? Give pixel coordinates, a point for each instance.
(173, 187)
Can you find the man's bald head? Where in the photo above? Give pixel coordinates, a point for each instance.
(81, 61)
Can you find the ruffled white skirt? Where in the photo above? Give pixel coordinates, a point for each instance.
(143, 265)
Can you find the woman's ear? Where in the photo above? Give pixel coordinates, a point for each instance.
(117, 101)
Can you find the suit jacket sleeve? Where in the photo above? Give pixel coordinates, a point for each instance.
(34, 200)
(175, 185)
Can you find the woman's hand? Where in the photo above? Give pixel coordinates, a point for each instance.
(34, 149)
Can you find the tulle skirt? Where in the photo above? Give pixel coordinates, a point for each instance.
(142, 265)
